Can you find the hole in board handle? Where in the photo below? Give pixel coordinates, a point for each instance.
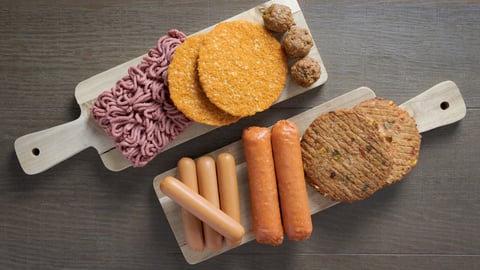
(36, 151)
(444, 105)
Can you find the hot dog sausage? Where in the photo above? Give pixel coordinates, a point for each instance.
(208, 188)
(228, 187)
(267, 224)
(297, 221)
(192, 226)
(202, 209)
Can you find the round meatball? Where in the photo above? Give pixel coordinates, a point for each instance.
(278, 18)
(305, 71)
(297, 42)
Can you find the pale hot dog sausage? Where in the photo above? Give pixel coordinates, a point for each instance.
(208, 188)
(267, 224)
(202, 209)
(228, 187)
(297, 221)
(192, 226)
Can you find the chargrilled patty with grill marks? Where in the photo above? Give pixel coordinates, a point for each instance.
(401, 131)
(345, 157)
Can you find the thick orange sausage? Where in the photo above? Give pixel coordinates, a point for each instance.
(267, 223)
(297, 221)
(202, 209)
(192, 226)
(228, 187)
(208, 188)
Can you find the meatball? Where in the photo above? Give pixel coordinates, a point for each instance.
(297, 42)
(278, 18)
(305, 71)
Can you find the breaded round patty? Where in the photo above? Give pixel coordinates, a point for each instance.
(344, 156)
(242, 67)
(185, 89)
(400, 129)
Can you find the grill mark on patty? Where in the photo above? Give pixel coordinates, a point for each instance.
(350, 132)
(401, 127)
(347, 177)
(375, 153)
(339, 167)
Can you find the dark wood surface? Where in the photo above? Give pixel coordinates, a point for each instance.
(79, 215)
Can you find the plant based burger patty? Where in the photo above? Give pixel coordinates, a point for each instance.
(401, 131)
(345, 156)
(185, 89)
(242, 68)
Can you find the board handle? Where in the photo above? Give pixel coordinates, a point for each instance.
(44, 149)
(438, 106)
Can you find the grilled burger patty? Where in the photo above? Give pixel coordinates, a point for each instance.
(400, 129)
(345, 157)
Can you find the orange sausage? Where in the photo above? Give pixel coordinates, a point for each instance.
(202, 209)
(297, 221)
(192, 226)
(267, 223)
(208, 188)
(228, 188)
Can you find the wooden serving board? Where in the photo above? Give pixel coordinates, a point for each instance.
(44, 149)
(440, 105)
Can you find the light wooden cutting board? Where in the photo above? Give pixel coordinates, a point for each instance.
(44, 149)
(440, 105)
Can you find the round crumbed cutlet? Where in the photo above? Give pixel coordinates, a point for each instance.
(185, 89)
(344, 156)
(400, 129)
(242, 68)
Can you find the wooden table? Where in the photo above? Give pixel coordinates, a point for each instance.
(79, 215)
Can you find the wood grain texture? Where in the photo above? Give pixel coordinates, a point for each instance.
(316, 201)
(426, 120)
(51, 145)
(81, 216)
